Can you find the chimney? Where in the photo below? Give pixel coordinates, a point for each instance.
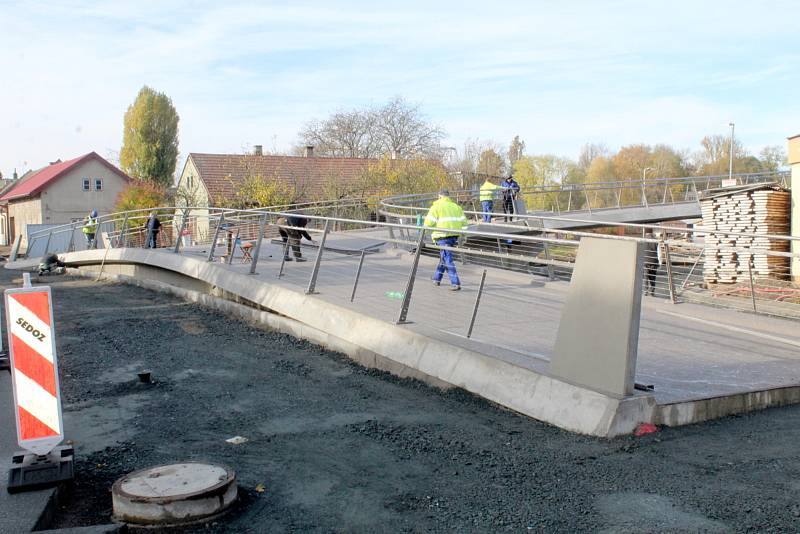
(309, 153)
(258, 150)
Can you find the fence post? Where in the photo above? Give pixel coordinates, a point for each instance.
(312, 282)
(669, 272)
(180, 232)
(477, 303)
(358, 274)
(47, 243)
(410, 283)
(752, 285)
(261, 228)
(216, 236)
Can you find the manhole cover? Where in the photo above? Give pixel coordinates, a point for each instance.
(173, 494)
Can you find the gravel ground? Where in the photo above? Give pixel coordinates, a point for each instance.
(340, 448)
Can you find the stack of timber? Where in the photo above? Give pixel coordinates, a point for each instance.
(758, 210)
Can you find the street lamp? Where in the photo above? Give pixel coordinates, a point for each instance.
(644, 172)
(730, 164)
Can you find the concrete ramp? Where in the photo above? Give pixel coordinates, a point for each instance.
(380, 344)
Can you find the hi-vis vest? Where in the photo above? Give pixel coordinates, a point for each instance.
(487, 190)
(446, 214)
(90, 225)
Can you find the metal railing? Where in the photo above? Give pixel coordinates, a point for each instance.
(585, 198)
(674, 265)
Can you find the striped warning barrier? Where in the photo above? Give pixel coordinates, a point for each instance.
(34, 368)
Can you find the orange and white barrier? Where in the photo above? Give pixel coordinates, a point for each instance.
(34, 368)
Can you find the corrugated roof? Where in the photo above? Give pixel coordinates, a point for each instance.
(223, 174)
(34, 183)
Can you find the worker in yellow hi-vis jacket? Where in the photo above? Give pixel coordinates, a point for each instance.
(488, 192)
(446, 216)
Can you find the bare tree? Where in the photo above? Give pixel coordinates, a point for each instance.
(402, 130)
(397, 129)
(348, 134)
(589, 152)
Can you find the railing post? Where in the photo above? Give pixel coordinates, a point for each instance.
(312, 282)
(180, 231)
(670, 282)
(233, 246)
(550, 272)
(71, 239)
(477, 303)
(752, 285)
(358, 274)
(47, 243)
(216, 236)
(410, 283)
(124, 231)
(696, 261)
(285, 255)
(15, 247)
(261, 228)
(588, 202)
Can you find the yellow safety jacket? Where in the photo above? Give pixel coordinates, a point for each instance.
(90, 225)
(487, 190)
(445, 214)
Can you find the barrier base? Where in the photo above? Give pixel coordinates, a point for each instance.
(29, 471)
(5, 363)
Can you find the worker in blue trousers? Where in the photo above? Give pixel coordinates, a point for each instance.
(446, 216)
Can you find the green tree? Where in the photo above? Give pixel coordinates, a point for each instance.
(515, 150)
(258, 191)
(141, 194)
(491, 163)
(772, 157)
(150, 138)
(714, 156)
(600, 170)
(406, 176)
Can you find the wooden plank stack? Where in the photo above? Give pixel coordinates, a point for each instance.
(760, 210)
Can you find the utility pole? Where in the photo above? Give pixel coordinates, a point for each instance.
(730, 164)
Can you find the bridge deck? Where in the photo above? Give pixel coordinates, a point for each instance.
(686, 351)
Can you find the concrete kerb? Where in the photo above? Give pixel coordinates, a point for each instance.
(399, 350)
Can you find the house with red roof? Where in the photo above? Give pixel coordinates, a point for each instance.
(215, 179)
(60, 193)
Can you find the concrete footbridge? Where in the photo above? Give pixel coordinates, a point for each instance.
(557, 324)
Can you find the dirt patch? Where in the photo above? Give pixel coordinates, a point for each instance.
(340, 448)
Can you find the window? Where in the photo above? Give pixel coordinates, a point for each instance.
(86, 184)
(98, 184)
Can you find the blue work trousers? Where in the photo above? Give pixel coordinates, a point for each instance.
(486, 206)
(446, 261)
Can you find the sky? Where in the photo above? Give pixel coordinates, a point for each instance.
(558, 74)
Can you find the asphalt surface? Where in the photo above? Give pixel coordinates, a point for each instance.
(339, 448)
